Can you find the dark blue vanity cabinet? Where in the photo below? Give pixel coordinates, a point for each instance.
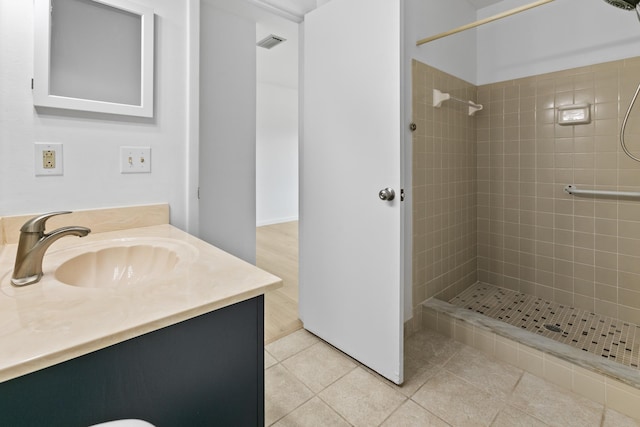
(205, 371)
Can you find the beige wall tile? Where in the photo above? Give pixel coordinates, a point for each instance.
(557, 371)
(446, 325)
(530, 360)
(485, 341)
(429, 319)
(628, 280)
(464, 332)
(579, 250)
(437, 214)
(506, 350)
(623, 398)
(588, 384)
(630, 314)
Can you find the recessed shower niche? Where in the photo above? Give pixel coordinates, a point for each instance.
(94, 55)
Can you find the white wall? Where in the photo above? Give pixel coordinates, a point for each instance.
(277, 123)
(91, 141)
(455, 54)
(276, 154)
(556, 36)
(228, 130)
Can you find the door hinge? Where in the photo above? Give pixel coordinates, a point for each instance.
(31, 84)
(402, 194)
(198, 193)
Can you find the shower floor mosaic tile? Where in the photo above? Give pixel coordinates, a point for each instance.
(604, 336)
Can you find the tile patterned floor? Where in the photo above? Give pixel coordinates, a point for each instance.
(309, 383)
(604, 336)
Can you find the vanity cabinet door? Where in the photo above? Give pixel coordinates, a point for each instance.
(205, 371)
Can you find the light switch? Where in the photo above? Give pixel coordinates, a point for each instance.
(135, 159)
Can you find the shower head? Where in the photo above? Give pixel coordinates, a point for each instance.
(624, 4)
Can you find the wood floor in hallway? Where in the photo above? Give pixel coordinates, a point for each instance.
(277, 253)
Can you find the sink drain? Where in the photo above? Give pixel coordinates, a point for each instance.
(553, 328)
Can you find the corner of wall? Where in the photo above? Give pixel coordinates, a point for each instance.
(2, 238)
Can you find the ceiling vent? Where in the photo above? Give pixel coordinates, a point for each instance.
(270, 41)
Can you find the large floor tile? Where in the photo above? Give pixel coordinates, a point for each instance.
(269, 360)
(314, 413)
(485, 372)
(362, 398)
(457, 401)
(616, 419)
(319, 366)
(425, 352)
(512, 417)
(410, 414)
(415, 375)
(292, 344)
(554, 405)
(283, 393)
(310, 383)
(432, 347)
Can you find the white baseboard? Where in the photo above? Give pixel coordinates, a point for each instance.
(264, 222)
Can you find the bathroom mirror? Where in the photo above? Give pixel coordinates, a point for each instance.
(94, 55)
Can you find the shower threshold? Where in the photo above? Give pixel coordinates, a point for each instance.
(602, 344)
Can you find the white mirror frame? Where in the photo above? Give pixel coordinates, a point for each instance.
(41, 89)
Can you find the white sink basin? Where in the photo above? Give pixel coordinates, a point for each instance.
(122, 265)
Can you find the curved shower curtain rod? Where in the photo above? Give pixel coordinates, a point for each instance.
(483, 21)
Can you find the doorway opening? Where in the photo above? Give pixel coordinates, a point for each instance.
(277, 171)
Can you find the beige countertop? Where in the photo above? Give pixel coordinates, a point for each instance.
(50, 322)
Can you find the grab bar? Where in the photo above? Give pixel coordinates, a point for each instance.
(573, 190)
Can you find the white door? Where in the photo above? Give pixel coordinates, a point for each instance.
(351, 291)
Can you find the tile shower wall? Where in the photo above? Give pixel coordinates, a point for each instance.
(534, 238)
(444, 188)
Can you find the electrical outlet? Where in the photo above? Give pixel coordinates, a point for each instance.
(48, 159)
(135, 159)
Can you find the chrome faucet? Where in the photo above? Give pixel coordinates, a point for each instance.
(34, 243)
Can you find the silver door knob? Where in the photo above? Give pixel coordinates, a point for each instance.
(387, 194)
